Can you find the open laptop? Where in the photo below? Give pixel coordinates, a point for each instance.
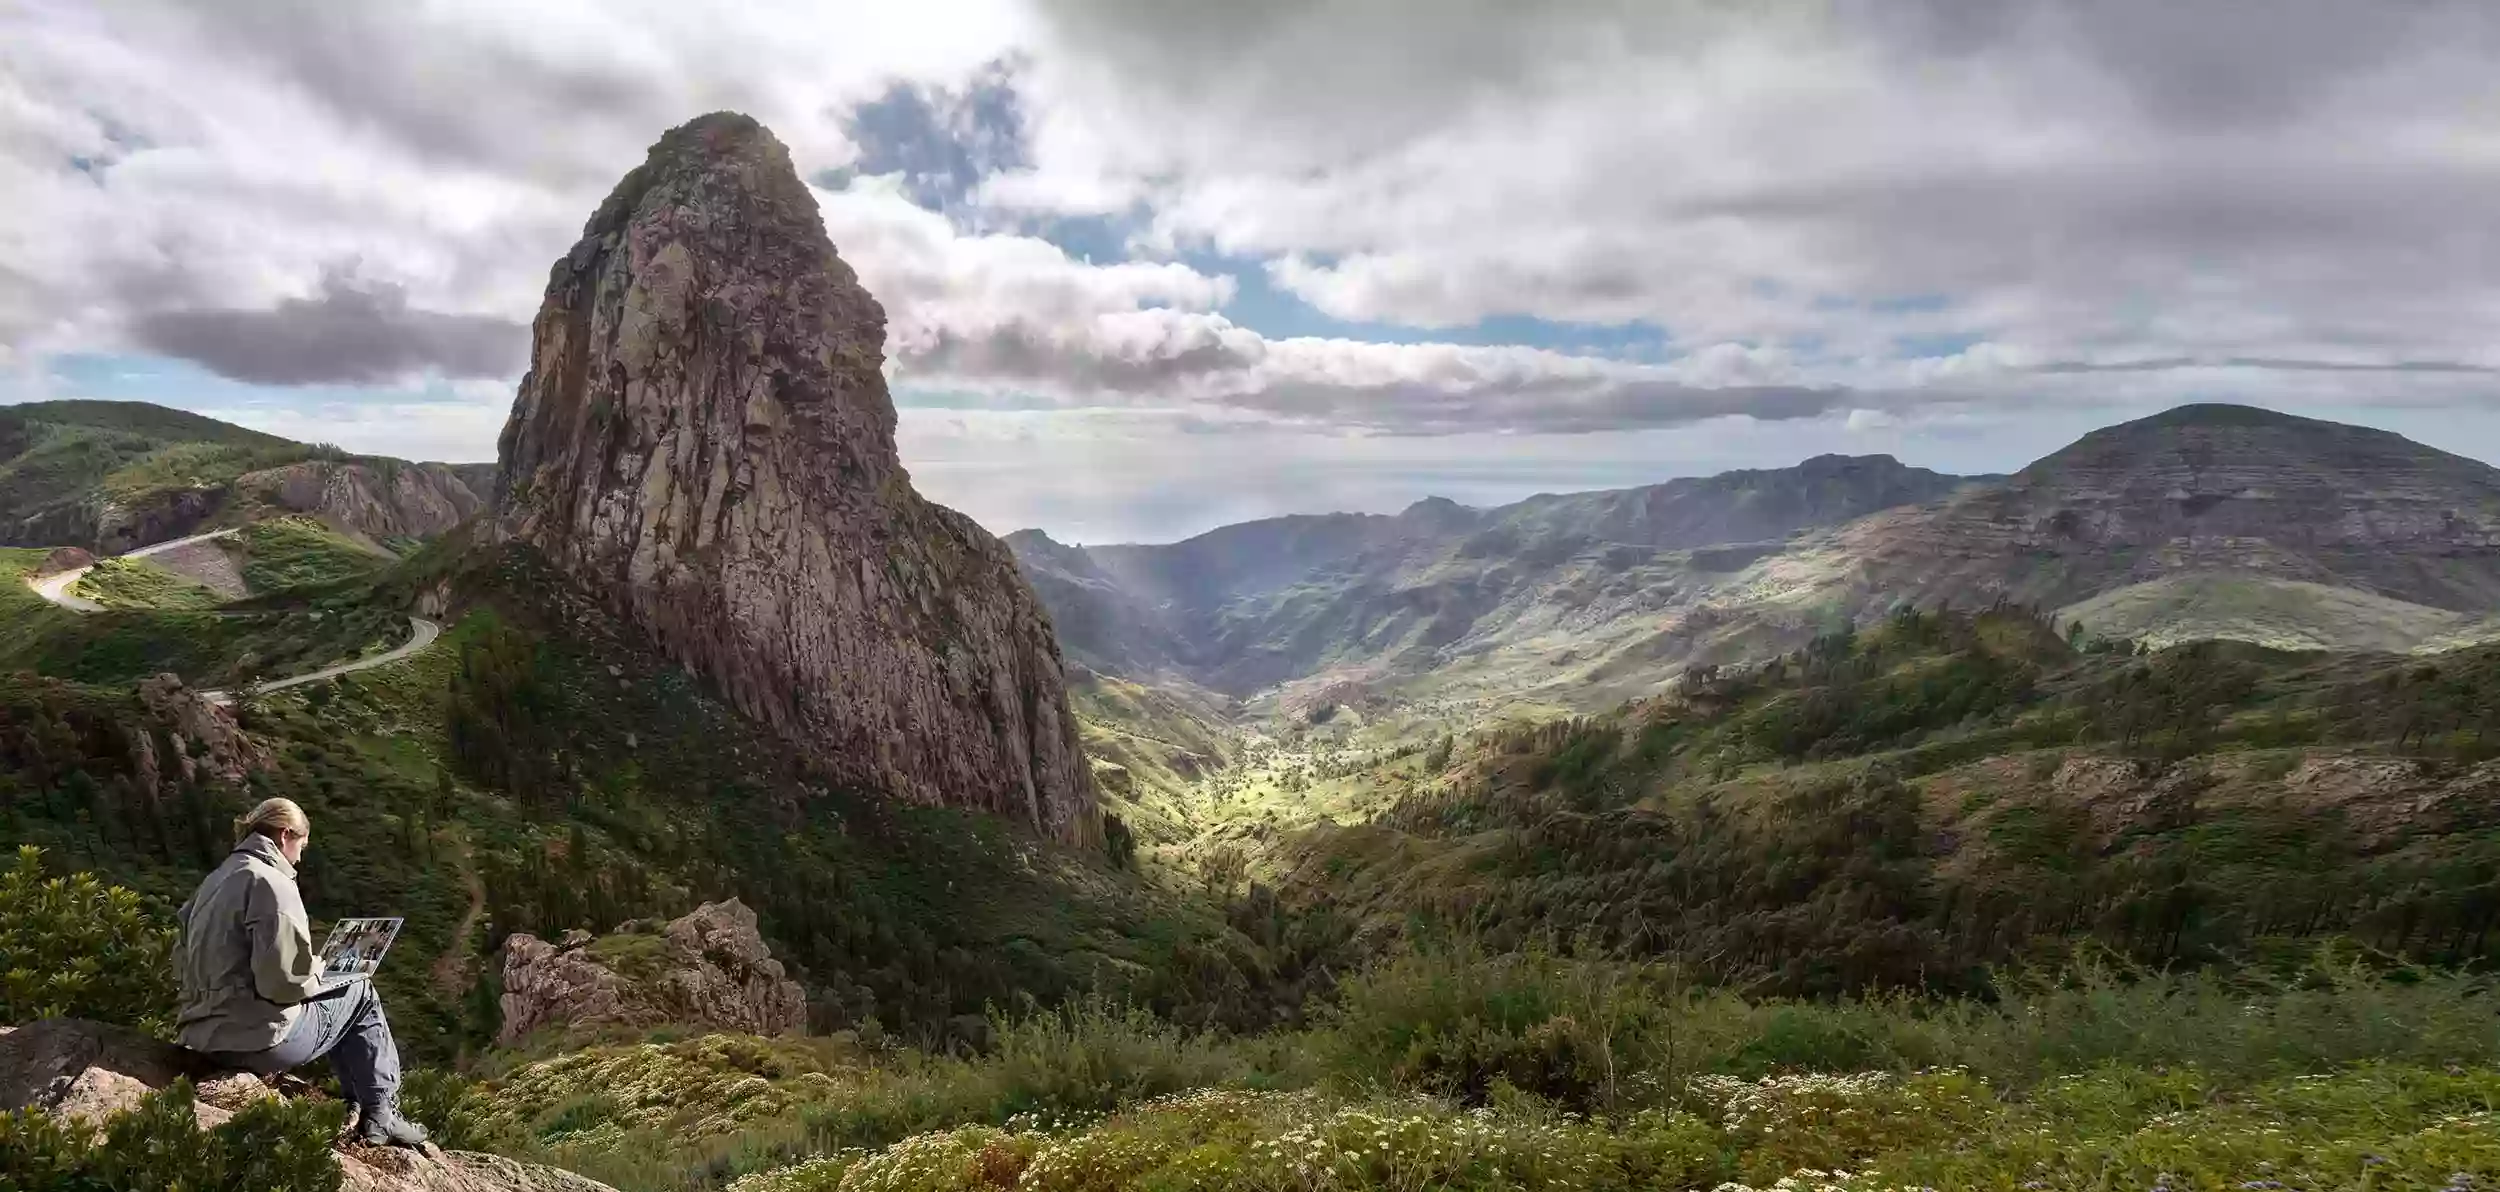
(355, 948)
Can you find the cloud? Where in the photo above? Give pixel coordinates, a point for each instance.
(1922, 214)
(1017, 315)
(352, 332)
(2075, 178)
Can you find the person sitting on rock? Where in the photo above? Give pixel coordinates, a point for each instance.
(252, 994)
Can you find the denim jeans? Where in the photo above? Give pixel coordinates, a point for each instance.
(348, 1027)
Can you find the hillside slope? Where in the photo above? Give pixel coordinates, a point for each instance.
(1250, 606)
(2204, 521)
(111, 476)
(2203, 488)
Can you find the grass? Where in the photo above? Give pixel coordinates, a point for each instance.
(197, 465)
(295, 552)
(2381, 1127)
(1458, 1068)
(2279, 613)
(137, 585)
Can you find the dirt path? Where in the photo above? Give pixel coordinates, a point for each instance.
(451, 969)
(56, 588)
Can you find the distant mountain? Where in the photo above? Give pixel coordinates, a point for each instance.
(1745, 506)
(2203, 521)
(1249, 606)
(2225, 510)
(112, 476)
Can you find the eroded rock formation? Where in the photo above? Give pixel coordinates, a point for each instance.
(704, 438)
(378, 499)
(206, 740)
(708, 968)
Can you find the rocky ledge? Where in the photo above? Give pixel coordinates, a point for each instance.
(86, 1072)
(709, 968)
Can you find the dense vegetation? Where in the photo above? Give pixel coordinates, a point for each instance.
(126, 584)
(61, 462)
(74, 945)
(1906, 806)
(297, 552)
(206, 649)
(532, 774)
(1457, 1068)
(268, 1146)
(1951, 900)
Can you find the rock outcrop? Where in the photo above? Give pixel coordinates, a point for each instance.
(378, 499)
(86, 1072)
(154, 517)
(709, 968)
(62, 558)
(206, 740)
(704, 438)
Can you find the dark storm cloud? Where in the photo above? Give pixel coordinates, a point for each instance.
(1043, 357)
(350, 333)
(2200, 64)
(1539, 407)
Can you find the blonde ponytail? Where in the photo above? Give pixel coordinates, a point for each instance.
(273, 819)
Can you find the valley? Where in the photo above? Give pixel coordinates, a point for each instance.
(2132, 819)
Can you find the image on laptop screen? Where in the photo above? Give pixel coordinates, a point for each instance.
(355, 947)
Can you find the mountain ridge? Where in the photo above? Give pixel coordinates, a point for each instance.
(1613, 590)
(112, 476)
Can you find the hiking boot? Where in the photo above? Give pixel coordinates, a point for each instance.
(384, 1127)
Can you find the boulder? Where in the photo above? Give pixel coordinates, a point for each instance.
(62, 558)
(709, 968)
(89, 1071)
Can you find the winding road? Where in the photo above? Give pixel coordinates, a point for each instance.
(56, 588)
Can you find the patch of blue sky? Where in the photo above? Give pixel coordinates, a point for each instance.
(1926, 347)
(168, 381)
(1261, 306)
(913, 397)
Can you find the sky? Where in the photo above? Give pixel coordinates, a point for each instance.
(1151, 266)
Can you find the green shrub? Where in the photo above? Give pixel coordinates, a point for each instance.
(75, 946)
(270, 1146)
(456, 1111)
(139, 584)
(1459, 1020)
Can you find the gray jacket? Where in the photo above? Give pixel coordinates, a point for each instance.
(246, 960)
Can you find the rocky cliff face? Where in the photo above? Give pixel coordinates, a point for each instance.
(704, 437)
(709, 968)
(379, 500)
